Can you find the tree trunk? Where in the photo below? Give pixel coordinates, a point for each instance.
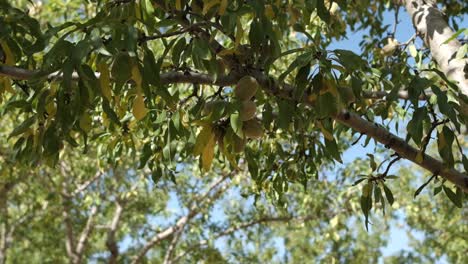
(433, 28)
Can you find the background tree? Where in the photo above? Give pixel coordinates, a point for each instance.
(114, 111)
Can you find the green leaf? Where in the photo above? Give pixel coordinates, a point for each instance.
(285, 114)
(301, 61)
(177, 50)
(201, 49)
(121, 69)
(458, 33)
(372, 162)
(465, 163)
(236, 125)
(110, 112)
(322, 11)
(156, 174)
(202, 140)
(366, 202)
(23, 127)
(419, 190)
(416, 125)
(456, 199)
(327, 105)
(445, 140)
(359, 181)
(332, 149)
(350, 60)
(151, 69)
(388, 194)
(377, 194)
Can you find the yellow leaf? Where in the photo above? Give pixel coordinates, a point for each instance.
(202, 140)
(419, 157)
(239, 32)
(136, 75)
(7, 85)
(51, 109)
(329, 86)
(9, 56)
(208, 153)
(138, 11)
(222, 7)
(325, 133)
(208, 4)
(441, 142)
(178, 4)
(104, 80)
(311, 98)
(139, 109)
(85, 122)
(105, 120)
(269, 12)
(226, 52)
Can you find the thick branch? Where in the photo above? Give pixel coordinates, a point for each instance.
(175, 77)
(401, 147)
(284, 91)
(431, 25)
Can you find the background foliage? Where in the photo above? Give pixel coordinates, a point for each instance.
(108, 152)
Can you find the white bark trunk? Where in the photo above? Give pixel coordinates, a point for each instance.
(431, 25)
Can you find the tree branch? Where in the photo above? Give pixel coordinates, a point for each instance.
(401, 147)
(359, 124)
(111, 243)
(179, 77)
(241, 226)
(85, 234)
(172, 246)
(69, 237)
(194, 210)
(86, 184)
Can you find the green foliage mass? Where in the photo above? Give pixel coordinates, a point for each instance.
(118, 117)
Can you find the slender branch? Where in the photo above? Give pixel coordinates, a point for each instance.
(194, 210)
(84, 236)
(172, 246)
(111, 243)
(164, 35)
(66, 212)
(69, 236)
(396, 21)
(241, 226)
(86, 184)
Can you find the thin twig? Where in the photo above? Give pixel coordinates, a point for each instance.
(241, 226)
(84, 236)
(194, 210)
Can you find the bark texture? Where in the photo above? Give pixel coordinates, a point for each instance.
(431, 25)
